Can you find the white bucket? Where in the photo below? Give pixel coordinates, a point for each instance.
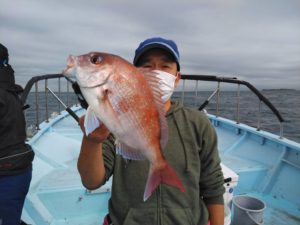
(247, 210)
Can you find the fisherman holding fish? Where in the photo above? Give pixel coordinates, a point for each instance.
(163, 156)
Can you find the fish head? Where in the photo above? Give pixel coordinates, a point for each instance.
(90, 70)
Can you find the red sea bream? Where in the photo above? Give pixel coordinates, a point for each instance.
(129, 103)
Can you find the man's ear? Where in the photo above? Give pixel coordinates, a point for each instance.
(178, 77)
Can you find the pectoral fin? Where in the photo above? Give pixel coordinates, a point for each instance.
(91, 121)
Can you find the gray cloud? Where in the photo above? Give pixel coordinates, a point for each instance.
(257, 41)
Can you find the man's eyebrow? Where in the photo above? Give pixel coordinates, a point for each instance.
(143, 61)
(167, 59)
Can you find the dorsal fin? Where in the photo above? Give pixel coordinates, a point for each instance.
(153, 81)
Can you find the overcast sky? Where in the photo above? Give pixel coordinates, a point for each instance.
(254, 40)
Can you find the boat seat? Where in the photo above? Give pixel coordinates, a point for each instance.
(58, 152)
(251, 174)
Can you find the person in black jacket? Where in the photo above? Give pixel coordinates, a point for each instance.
(15, 155)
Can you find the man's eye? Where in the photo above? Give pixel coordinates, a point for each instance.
(96, 59)
(166, 66)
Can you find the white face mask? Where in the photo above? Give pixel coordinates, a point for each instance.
(166, 84)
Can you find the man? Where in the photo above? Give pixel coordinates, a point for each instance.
(191, 150)
(15, 155)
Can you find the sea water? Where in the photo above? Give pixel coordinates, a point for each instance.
(286, 101)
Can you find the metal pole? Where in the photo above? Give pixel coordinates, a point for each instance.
(70, 111)
(46, 100)
(218, 99)
(259, 115)
(59, 95)
(205, 103)
(238, 106)
(196, 94)
(37, 107)
(182, 92)
(68, 93)
(281, 130)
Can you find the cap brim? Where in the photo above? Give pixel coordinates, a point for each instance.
(152, 46)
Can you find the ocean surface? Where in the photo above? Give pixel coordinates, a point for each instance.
(286, 101)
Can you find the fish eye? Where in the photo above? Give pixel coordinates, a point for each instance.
(96, 59)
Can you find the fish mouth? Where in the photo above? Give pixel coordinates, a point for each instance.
(70, 73)
(71, 63)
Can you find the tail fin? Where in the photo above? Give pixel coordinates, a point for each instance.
(158, 175)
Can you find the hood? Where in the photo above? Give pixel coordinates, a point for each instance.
(7, 77)
(3, 53)
(175, 106)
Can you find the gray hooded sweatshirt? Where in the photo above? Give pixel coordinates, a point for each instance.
(192, 151)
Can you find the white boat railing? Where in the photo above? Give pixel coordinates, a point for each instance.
(239, 83)
(37, 92)
(39, 87)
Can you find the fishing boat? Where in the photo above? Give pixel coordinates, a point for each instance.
(257, 164)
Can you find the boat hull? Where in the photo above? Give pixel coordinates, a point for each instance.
(267, 166)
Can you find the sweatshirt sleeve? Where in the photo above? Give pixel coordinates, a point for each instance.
(212, 180)
(3, 113)
(2, 104)
(109, 154)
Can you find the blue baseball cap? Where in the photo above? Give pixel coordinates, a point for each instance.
(157, 42)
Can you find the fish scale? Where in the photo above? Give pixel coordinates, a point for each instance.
(121, 91)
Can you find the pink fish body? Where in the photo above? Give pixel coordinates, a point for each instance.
(129, 104)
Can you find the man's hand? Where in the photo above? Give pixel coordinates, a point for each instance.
(98, 135)
(90, 162)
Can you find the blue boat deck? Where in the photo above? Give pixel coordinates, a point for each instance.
(56, 194)
(268, 168)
